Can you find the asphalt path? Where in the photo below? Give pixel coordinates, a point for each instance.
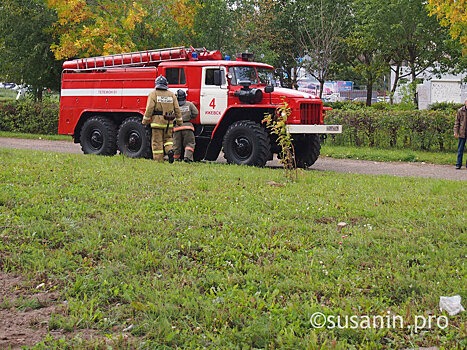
(349, 166)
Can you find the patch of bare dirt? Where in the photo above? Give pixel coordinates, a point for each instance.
(24, 312)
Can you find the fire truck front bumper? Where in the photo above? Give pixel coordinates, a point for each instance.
(314, 129)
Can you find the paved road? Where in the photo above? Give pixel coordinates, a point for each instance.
(323, 163)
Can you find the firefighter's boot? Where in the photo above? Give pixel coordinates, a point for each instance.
(170, 154)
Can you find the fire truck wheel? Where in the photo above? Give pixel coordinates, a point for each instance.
(247, 143)
(134, 139)
(307, 149)
(99, 136)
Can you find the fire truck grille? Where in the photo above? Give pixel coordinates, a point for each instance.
(310, 113)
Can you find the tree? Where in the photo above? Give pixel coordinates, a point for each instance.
(214, 26)
(322, 26)
(282, 29)
(269, 29)
(262, 27)
(366, 47)
(25, 55)
(90, 28)
(167, 23)
(101, 27)
(254, 28)
(395, 33)
(421, 41)
(452, 14)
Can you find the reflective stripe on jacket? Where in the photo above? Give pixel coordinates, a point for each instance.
(185, 126)
(159, 125)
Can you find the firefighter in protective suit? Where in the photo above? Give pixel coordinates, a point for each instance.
(184, 136)
(161, 110)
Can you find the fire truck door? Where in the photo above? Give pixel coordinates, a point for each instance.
(213, 99)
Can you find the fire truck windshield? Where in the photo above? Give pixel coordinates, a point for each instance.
(260, 76)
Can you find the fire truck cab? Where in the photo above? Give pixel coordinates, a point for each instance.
(103, 100)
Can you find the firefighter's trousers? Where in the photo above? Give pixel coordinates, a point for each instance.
(161, 141)
(184, 141)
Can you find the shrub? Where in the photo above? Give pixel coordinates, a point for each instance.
(347, 105)
(27, 116)
(445, 106)
(418, 130)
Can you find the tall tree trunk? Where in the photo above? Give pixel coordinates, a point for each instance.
(38, 94)
(321, 88)
(396, 81)
(369, 90)
(413, 74)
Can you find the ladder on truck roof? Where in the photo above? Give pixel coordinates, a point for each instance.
(141, 58)
(132, 59)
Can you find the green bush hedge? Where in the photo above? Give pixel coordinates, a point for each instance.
(419, 130)
(29, 117)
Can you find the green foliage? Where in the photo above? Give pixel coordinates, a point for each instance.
(357, 105)
(445, 106)
(451, 14)
(322, 25)
(25, 39)
(226, 261)
(215, 16)
(418, 130)
(381, 105)
(346, 105)
(26, 116)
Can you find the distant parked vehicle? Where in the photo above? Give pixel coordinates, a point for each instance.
(8, 85)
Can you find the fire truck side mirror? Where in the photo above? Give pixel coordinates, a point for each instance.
(268, 89)
(218, 77)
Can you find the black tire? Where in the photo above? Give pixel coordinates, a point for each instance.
(99, 136)
(134, 139)
(246, 143)
(307, 149)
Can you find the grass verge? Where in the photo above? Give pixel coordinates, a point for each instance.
(18, 135)
(388, 155)
(219, 256)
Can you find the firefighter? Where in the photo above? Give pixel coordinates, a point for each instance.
(161, 110)
(184, 136)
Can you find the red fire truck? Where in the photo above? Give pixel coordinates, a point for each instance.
(103, 99)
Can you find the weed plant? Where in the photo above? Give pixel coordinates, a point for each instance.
(149, 255)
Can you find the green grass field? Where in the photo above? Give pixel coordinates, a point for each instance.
(228, 257)
(7, 94)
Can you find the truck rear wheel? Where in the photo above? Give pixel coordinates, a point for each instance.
(307, 149)
(134, 139)
(99, 136)
(247, 143)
